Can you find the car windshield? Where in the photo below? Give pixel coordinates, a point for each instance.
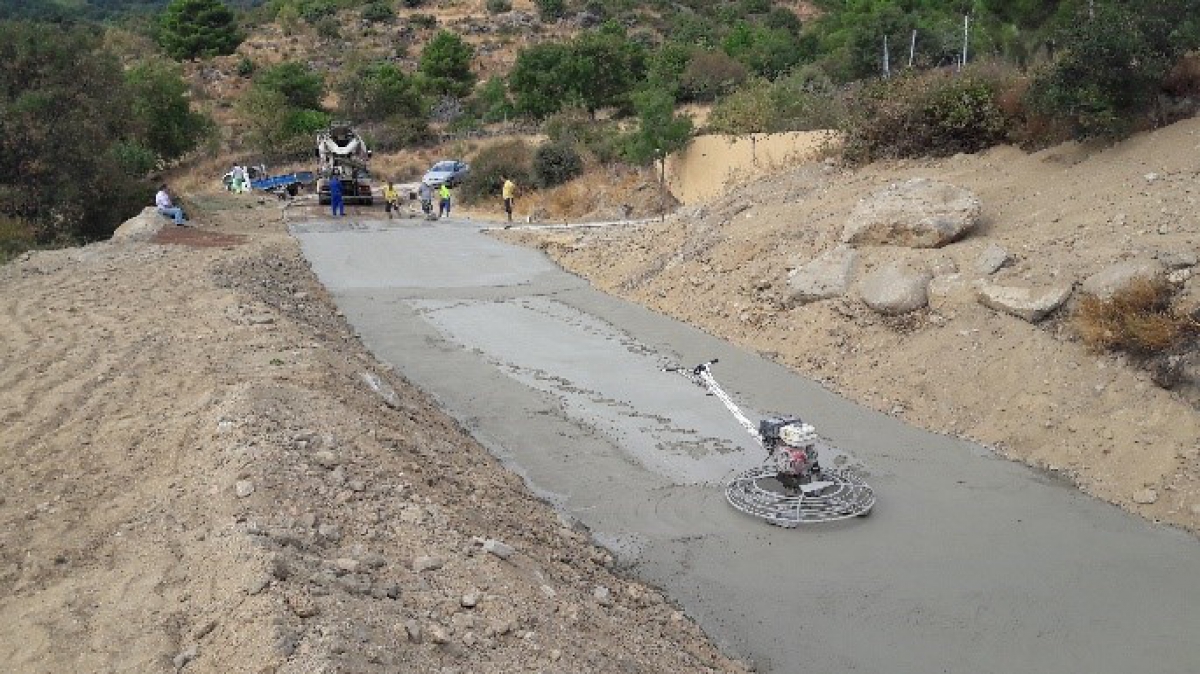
(443, 166)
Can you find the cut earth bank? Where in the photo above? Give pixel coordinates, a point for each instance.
(776, 267)
(203, 470)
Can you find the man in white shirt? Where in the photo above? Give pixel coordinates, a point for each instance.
(162, 200)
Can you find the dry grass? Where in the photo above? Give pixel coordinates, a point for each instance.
(1137, 319)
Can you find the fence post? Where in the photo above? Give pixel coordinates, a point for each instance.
(912, 48)
(887, 70)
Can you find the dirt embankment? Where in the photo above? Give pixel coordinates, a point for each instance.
(1032, 391)
(202, 470)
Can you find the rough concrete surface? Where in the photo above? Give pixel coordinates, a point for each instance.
(970, 563)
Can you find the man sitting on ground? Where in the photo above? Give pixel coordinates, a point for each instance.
(162, 201)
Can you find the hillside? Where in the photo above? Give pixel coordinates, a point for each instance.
(1032, 392)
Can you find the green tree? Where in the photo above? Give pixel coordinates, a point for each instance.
(192, 29)
(541, 79)
(769, 52)
(660, 131)
(605, 66)
(446, 64)
(70, 161)
(550, 10)
(162, 114)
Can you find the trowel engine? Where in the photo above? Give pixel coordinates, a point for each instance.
(791, 444)
(790, 488)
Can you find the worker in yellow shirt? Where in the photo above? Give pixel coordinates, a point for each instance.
(391, 199)
(509, 192)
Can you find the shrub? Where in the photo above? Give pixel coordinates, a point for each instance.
(245, 67)
(512, 159)
(412, 4)
(499, 6)
(378, 12)
(1110, 67)
(329, 28)
(313, 11)
(16, 237)
(423, 21)
(926, 114)
(556, 163)
(709, 75)
(1136, 319)
(550, 10)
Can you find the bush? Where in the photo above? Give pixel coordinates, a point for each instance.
(556, 163)
(423, 21)
(1136, 319)
(499, 6)
(709, 75)
(930, 114)
(378, 12)
(550, 10)
(16, 237)
(1108, 73)
(313, 11)
(329, 28)
(245, 67)
(412, 4)
(512, 159)
(802, 101)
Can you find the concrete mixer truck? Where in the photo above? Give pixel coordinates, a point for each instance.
(343, 155)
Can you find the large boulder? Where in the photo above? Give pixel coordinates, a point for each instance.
(894, 290)
(827, 276)
(919, 213)
(1109, 280)
(141, 227)
(1029, 304)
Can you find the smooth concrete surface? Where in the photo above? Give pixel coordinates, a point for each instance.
(969, 563)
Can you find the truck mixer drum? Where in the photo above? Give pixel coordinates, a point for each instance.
(791, 488)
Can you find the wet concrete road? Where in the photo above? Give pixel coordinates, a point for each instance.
(969, 563)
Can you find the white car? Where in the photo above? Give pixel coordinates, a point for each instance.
(450, 171)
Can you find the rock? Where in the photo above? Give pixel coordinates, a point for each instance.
(501, 550)
(382, 388)
(413, 630)
(919, 213)
(1109, 280)
(893, 290)
(1195, 509)
(181, 660)
(469, 600)
(325, 459)
(1179, 259)
(330, 532)
(991, 259)
(243, 488)
(257, 585)
(346, 565)
(827, 276)
(947, 291)
(602, 595)
(438, 634)
(1024, 303)
(1145, 496)
(142, 226)
(427, 563)
(261, 319)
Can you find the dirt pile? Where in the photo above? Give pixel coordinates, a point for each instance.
(1032, 391)
(202, 470)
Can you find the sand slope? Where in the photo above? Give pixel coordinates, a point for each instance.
(194, 473)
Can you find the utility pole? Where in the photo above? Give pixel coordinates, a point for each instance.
(966, 33)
